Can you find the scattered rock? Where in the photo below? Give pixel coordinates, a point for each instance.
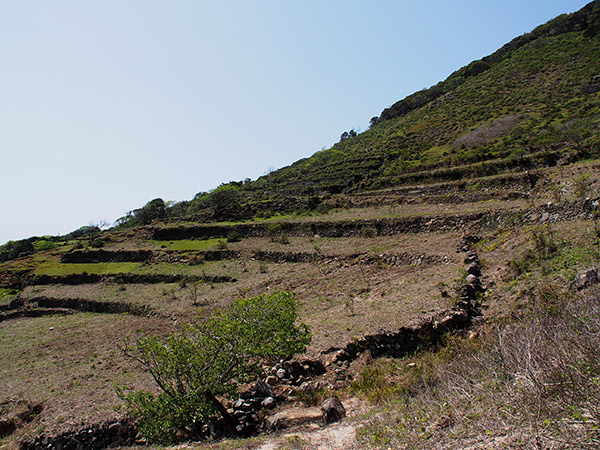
(585, 279)
(442, 423)
(274, 423)
(474, 269)
(31, 411)
(97, 436)
(472, 279)
(467, 240)
(7, 427)
(268, 402)
(332, 410)
(467, 292)
(263, 389)
(305, 387)
(247, 409)
(471, 257)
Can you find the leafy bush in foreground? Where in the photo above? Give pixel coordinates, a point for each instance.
(206, 359)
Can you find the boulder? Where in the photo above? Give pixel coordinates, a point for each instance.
(268, 402)
(472, 280)
(274, 423)
(332, 410)
(7, 426)
(263, 389)
(474, 269)
(305, 387)
(468, 292)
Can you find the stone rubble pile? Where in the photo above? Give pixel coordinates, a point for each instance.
(248, 410)
(472, 290)
(92, 437)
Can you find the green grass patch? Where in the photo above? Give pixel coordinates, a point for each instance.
(548, 254)
(5, 291)
(6, 295)
(570, 259)
(437, 150)
(43, 245)
(273, 218)
(55, 268)
(189, 245)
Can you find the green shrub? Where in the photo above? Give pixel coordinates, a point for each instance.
(43, 245)
(14, 249)
(207, 360)
(234, 236)
(87, 231)
(582, 186)
(97, 243)
(545, 247)
(274, 229)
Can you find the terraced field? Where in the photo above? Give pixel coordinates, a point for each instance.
(390, 262)
(456, 210)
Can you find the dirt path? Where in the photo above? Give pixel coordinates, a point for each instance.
(339, 436)
(316, 436)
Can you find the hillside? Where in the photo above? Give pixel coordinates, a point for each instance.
(430, 255)
(530, 104)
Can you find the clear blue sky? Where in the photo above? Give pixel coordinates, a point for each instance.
(105, 105)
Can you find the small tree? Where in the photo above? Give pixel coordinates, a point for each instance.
(224, 201)
(348, 135)
(14, 249)
(206, 360)
(154, 209)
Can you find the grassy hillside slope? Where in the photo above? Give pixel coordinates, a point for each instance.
(461, 224)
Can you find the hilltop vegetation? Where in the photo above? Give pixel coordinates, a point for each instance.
(541, 86)
(445, 260)
(527, 105)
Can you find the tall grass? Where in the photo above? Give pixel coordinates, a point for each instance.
(534, 383)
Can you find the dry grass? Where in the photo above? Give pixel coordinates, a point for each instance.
(531, 384)
(488, 131)
(416, 210)
(72, 368)
(450, 396)
(339, 298)
(562, 183)
(69, 364)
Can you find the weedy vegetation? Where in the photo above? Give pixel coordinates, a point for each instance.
(204, 362)
(532, 382)
(506, 149)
